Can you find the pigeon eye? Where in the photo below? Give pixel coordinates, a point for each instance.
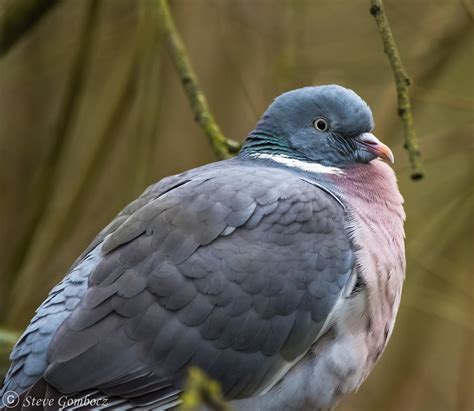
(321, 124)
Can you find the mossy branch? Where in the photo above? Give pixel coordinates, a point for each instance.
(17, 17)
(402, 82)
(222, 146)
(200, 390)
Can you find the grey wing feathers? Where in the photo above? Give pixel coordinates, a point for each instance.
(235, 271)
(226, 272)
(29, 356)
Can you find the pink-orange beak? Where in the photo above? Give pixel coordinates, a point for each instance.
(375, 146)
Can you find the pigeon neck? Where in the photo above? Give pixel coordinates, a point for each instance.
(263, 146)
(261, 142)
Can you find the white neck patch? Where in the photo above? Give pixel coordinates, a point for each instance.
(302, 165)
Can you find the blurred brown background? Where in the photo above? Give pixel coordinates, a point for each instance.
(91, 112)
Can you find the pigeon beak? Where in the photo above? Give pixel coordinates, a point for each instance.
(375, 146)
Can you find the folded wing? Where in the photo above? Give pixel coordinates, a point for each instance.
(234, 271)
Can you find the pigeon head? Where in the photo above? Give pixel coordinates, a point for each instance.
(329, 125)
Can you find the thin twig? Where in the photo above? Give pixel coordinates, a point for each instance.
(222, 146)
(17, 17)
(402, 82)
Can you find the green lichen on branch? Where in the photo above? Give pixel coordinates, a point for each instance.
(402, 82)
(201, 391)
(222, 146)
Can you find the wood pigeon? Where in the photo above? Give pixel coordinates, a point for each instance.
(278, 272)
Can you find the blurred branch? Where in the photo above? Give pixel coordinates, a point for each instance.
(50, 173)
(222, 146)
(469, 6)
(7, 341)
(148, 99)
(201, 390)
(17, 17)
(119, 107)
(402, 82)
(434, 96)
(466, 372)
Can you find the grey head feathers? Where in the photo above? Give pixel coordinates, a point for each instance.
(319, 124)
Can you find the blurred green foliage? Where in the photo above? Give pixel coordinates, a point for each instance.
(90, 100)
(201, 390)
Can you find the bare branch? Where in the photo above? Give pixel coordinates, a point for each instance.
(222, 146)
(402, 82)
